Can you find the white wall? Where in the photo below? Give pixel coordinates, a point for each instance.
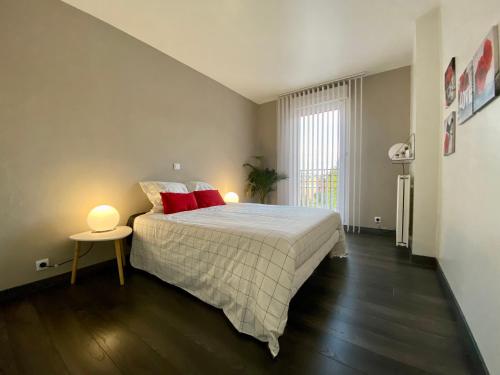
(469, 241)
(463, 211)
(426, 116)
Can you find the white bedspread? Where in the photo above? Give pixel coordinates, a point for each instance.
(242, 258)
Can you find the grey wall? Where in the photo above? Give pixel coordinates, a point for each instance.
(386, 120)
(267, 137)
(386, 116)
(86, 112)
(266, 132)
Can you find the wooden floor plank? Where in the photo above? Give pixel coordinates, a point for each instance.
(427, 324)
(215, 332)
(377, 277)
(128, 352)
(80, 352)
(373, 312)
(325, 313)
(381, 297)
(30, 342)
(8, 364)
(389, 290)
(343, 351)
(168, 331)
(411, 355)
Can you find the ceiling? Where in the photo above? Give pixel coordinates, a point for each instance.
(262, 48)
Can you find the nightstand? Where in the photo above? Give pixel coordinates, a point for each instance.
(117, 235)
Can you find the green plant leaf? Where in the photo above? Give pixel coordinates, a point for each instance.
(261, 181)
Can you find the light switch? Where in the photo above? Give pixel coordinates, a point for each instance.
(177, 166)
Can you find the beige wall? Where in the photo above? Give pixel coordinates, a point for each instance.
(469, 238)
(463, 205)
(386, 119)
(86, 112)
(426, 119)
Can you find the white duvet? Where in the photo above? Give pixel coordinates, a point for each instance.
(247, 259)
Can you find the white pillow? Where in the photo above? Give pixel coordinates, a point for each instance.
(198, 185)
(153, 189)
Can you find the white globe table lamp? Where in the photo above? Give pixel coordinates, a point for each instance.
(231, 197)
(103, 218)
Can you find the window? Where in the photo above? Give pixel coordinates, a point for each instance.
(319, 158)
(320, 131)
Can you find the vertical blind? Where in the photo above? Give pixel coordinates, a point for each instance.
(320, 131)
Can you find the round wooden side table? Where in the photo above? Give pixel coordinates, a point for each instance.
(117, 235)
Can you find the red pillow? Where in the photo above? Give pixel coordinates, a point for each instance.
(178, 202)
(208, 198)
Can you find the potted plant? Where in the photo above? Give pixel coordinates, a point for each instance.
(261, 181)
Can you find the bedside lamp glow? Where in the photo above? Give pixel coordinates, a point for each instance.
(103, 218)
(231, 197)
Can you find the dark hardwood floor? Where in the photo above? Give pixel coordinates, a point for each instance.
(371, 313)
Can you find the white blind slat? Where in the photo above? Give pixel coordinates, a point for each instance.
(320, 134)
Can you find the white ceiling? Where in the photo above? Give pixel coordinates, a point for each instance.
(262, 48)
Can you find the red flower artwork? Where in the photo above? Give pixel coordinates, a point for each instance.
(449, 74)
(450, 86)
(446, 143)
(484, 65)
(464, 82)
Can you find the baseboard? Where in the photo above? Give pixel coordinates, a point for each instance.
(424, 261)
(377, 231)
(477, 361)
(64, 278)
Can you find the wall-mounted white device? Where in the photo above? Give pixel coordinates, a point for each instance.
(403, 152)
(177, 166)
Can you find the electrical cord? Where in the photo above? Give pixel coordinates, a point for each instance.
(70, 260)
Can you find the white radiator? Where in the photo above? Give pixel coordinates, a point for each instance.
(403, 211)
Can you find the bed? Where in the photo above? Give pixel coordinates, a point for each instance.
(247, 259)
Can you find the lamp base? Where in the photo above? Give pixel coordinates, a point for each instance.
(103, 231)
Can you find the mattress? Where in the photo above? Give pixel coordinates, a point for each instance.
(247, 259)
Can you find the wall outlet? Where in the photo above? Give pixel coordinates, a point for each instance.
(377, 219)
(42, 264)
(177, 166)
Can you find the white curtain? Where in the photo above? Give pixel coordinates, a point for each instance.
(320, 134)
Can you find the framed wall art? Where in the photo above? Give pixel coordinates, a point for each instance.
(450, 85)
(485, 68)
(449, 134)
